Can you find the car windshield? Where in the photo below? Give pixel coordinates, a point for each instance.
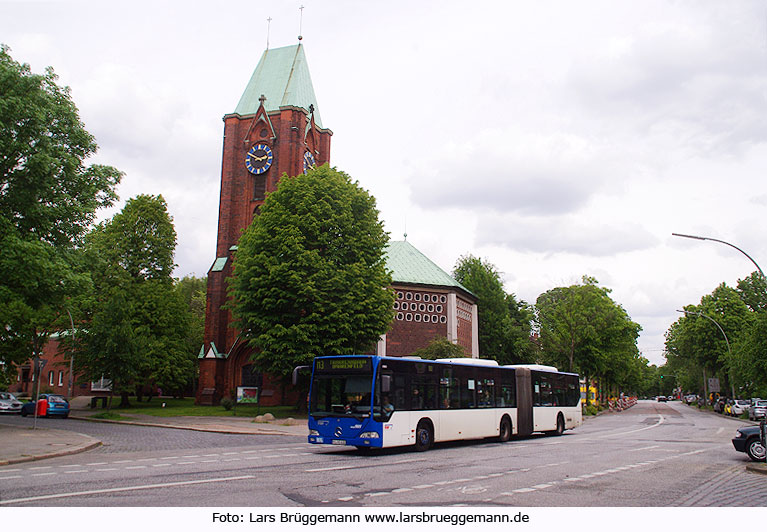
(742, 402)
(6, 396)
(761, 403)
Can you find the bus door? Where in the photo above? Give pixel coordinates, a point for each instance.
(524, 402)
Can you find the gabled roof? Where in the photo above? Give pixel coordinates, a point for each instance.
(282, 75)
(410, 266)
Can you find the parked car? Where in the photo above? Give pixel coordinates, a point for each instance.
(739, 407)
(719, 405)
(662, 399)
(758, 409)
(9, 404)
(57, 406)
(748, 440)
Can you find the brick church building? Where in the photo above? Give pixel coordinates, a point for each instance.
(276, 129)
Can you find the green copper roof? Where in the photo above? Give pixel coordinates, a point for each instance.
(282, 75)
(408, 265)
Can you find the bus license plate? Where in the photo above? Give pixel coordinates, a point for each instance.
(338, 442)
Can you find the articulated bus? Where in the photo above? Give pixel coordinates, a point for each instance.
(375, 402)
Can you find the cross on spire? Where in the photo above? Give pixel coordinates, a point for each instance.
(300, 22)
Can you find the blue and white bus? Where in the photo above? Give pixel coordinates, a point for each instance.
(375, 402)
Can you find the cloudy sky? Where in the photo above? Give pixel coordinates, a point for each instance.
(555, 139)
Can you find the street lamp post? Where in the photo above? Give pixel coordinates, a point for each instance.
(71, 357)
(695, 237)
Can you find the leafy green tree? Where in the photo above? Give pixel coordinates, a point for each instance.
(753, 292)
(440, 347)
(309, 275)
(695, 340)
(522, 317)
(484, 281)
(504, 326)
(192, 291)
(582, 329)
(132, 257)
(48, 201)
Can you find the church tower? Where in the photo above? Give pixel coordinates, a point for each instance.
(275, 130)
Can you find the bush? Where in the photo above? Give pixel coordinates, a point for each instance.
(227, 403)
(590, 410)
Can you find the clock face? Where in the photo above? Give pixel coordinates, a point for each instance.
(309, 163)
(259, 159)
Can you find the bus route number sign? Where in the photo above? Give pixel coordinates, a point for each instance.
(343, 365)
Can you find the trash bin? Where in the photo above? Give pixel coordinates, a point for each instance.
(42, 407)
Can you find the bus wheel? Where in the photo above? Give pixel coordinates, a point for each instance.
(424, 437)
(560, 425)
(505, 433)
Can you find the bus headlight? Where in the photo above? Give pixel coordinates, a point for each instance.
(313, 432)
(370, 435)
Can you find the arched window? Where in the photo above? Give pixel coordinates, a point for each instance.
(251, 377)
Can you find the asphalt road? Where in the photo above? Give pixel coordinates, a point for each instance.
(652, 455)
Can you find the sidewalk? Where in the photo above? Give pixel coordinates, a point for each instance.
(23, 444)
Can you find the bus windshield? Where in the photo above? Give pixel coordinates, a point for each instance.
(342, 387)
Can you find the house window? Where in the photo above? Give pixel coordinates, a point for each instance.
(61, 378)
(50, 378)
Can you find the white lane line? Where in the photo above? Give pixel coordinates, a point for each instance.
(645, 448)
(660, 422)
(43, 474)
(97, 463)
(337, 468)
(108, 469)
(127, 488)
(10, 477)
(75, 471)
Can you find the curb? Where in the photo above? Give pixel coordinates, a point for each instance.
(757, 467)
(76, 450)
(259, 430)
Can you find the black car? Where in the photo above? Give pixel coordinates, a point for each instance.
(747, 440)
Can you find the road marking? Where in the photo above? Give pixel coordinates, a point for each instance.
(75, 471)
(336, 468)
(645, 448)
(108, 469)
(127, 488)
(12, 476)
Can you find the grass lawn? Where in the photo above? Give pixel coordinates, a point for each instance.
(186, 407)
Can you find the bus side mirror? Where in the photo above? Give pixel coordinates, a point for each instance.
(295, 373)
(385, 383)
